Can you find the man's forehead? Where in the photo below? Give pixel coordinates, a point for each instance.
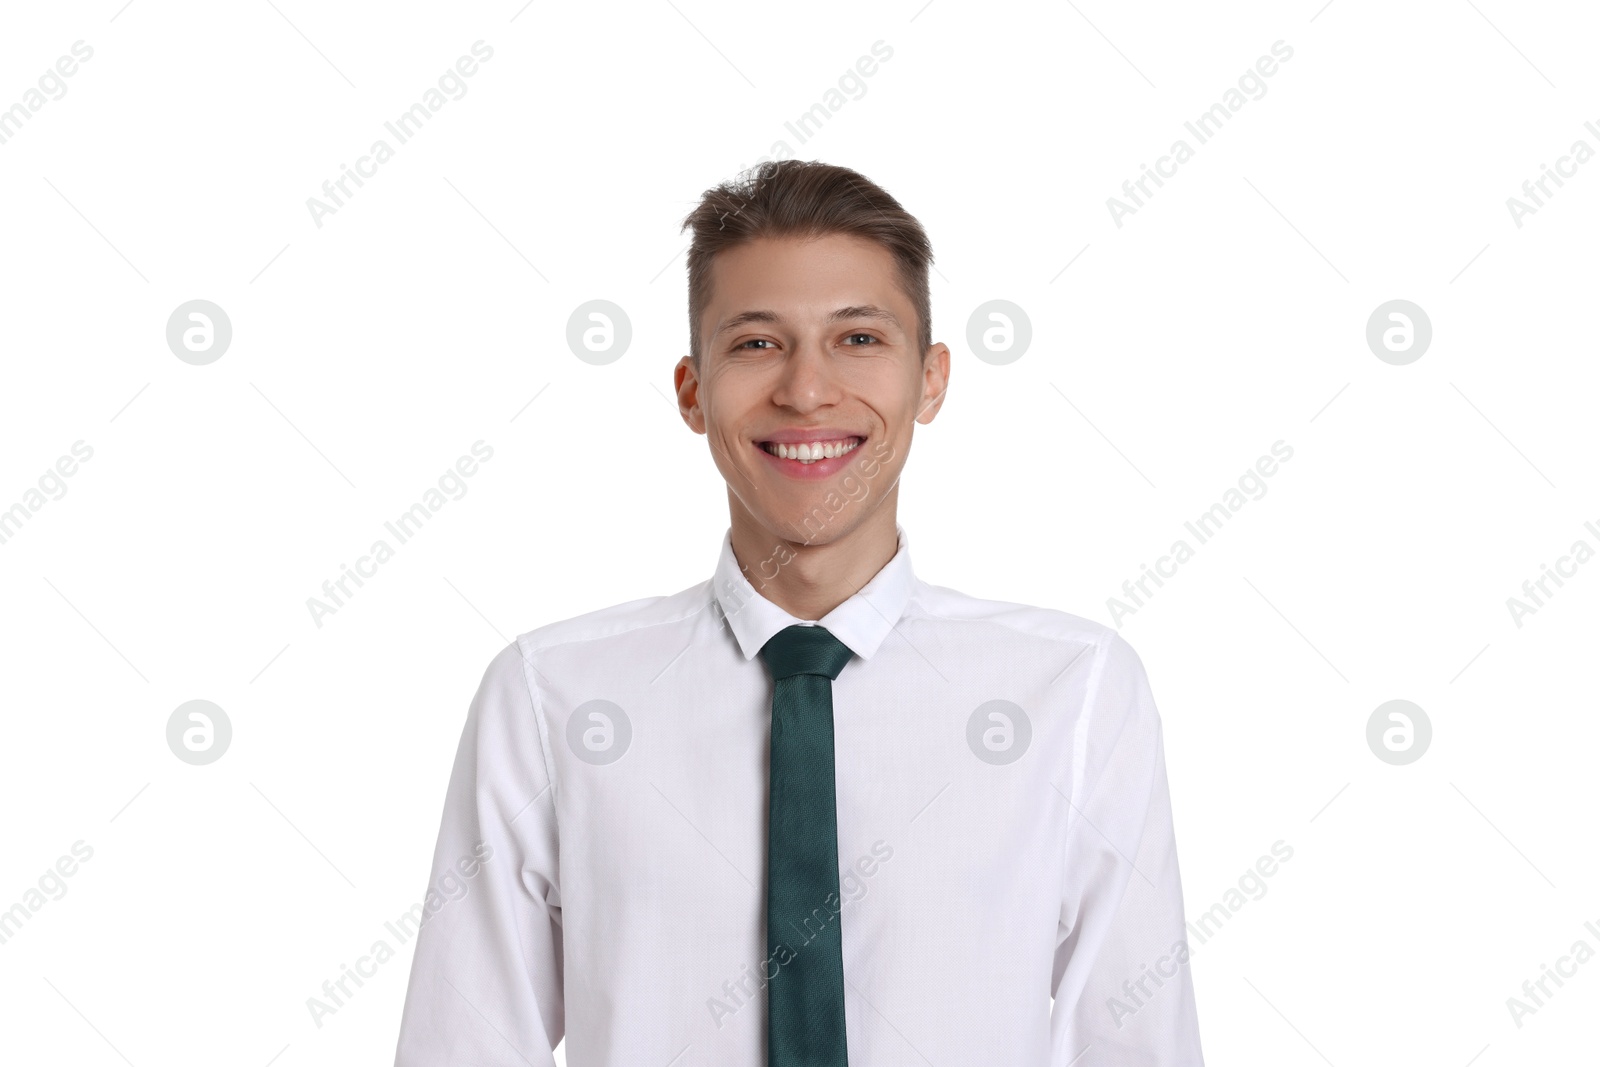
(793, 253)
(765, 272)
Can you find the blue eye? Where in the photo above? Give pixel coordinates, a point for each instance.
(868, 336)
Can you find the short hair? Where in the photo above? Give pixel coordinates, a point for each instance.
(794, 197)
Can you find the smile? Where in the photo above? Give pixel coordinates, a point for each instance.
(812, 451)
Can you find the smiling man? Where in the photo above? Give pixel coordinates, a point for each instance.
(812, 811)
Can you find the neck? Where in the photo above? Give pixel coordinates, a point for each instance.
(810, 580)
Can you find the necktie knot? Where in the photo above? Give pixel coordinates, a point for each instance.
(805, 650)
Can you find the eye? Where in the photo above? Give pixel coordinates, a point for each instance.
(870, 338)
(754, 341)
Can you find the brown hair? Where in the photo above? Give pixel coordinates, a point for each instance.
(794, 197)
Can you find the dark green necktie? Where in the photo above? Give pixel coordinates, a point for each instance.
(805, 999)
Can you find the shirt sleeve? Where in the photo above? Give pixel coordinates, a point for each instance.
(486, 976)
(1123, 992)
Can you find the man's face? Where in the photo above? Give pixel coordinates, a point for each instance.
(809, 342)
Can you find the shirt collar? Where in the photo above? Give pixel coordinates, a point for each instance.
(862, 622)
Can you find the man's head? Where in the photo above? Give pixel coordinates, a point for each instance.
(809, 323)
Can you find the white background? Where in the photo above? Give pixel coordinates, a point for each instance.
(369, 353)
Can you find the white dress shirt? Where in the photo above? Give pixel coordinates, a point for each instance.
(600, 871)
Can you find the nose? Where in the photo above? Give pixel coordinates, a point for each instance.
(807, 380)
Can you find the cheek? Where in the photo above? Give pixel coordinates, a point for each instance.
(723, 441)
(731, 458)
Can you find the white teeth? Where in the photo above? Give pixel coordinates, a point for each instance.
(815, 450)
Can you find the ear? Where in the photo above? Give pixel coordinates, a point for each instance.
(686, 383)
(935, 382)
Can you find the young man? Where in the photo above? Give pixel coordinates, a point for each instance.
(812, 811)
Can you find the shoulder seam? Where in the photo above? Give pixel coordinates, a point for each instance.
(541, 731)
(1080, 741)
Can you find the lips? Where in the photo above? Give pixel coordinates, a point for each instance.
(810, 454)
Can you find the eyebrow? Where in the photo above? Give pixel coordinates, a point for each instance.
(858, 311)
